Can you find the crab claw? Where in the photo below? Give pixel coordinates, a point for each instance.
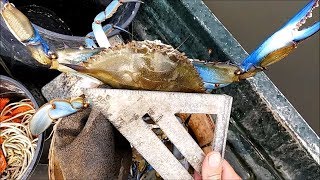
(53, 110)
(219, 74)
(76, 55)
(20, 26)
(282, 42)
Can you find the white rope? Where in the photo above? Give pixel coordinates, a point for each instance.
(19, 145)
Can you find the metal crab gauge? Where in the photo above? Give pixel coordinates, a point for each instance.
(125, 109)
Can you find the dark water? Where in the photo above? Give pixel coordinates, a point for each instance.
(297, 76)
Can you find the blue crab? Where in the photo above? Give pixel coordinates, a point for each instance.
(151, 65)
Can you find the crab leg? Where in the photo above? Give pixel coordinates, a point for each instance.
(98, 30)
(275, 48)
(282, 42)
(20, 26)
(55, 109)
(89, 39)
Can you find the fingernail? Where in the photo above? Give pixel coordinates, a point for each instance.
(214, 160)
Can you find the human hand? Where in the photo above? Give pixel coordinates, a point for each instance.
(213, 167)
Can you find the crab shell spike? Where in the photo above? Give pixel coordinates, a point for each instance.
(41, 120)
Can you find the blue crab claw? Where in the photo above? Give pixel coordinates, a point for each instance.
(20, 26)
(282, 42)
(53, 110)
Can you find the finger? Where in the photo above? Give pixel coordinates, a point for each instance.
(212, 166)
(228, 172)
(197, 176)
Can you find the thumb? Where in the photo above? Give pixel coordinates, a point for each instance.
(212, 166)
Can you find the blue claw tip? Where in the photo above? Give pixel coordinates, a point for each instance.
(40, 121)
(287, 36)
(292, 23)
(306, 33)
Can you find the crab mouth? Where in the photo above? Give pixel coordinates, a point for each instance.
(308, 15)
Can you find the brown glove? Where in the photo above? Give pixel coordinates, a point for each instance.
(86, 146)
